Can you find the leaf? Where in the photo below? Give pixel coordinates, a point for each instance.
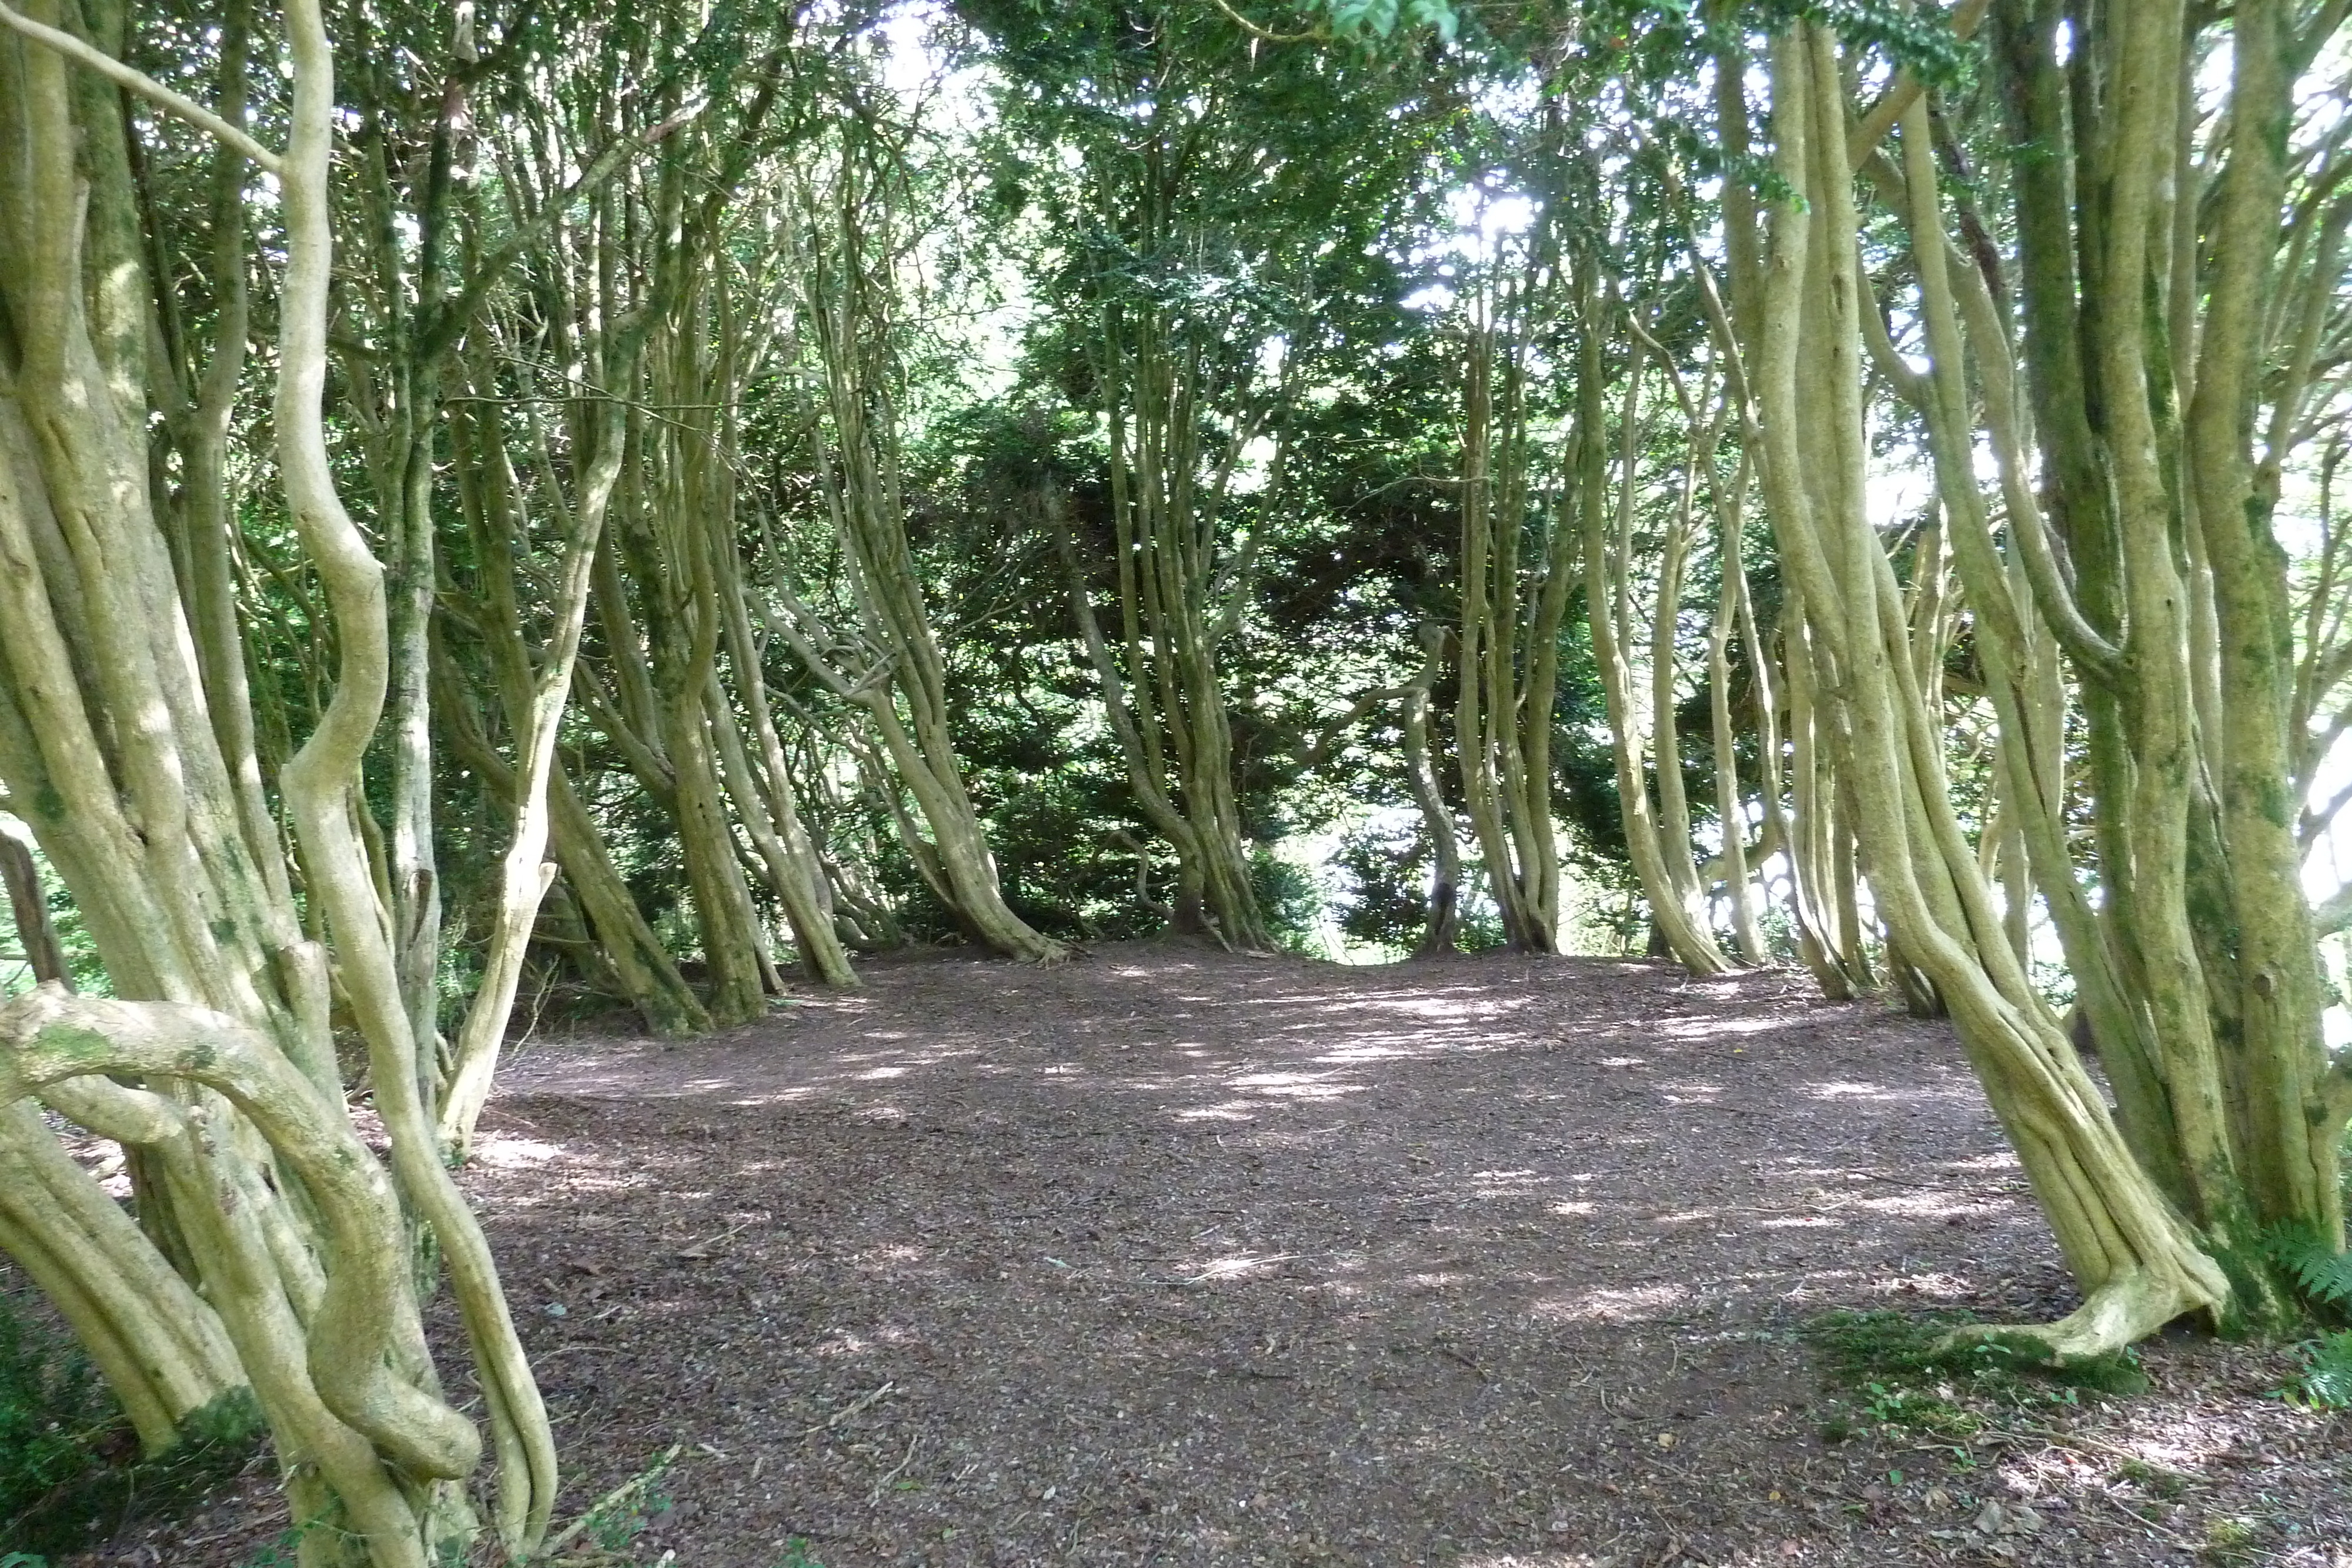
(2320, 1271)
(2326, 1379)
(1436, 14)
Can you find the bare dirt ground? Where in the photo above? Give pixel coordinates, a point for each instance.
(1166, 1256)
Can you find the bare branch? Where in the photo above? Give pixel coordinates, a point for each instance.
(145, 86)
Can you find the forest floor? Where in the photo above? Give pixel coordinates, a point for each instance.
(1167, 1257)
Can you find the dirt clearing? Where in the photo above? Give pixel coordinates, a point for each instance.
(1172, 1256)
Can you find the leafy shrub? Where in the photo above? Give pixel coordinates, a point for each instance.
(70, 1467)
(1289, 900)
(54, 1415)
(2327, 1380)
(2321, 1273)
(1386, 872)
(1386, 868)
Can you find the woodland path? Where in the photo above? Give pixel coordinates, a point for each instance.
(1172, 1257)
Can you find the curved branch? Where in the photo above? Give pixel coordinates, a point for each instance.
(1261, 34)
(139, 82)
(48, 1036)
(1875, 125)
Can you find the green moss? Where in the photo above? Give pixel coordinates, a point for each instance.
(2153, 1479)
(70, 1473)
(1914, 1371)
(1861, 1346)
(75, 1043)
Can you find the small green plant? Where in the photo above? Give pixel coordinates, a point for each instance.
(618, 1522)
(1290, 901)
(1914, 1372)
(70, 1471)
(2326, 1382)
(620, 1515)
(1929, 1410)
(2321, 1273)
(2231, 1540)
(55, 1415)
(282, 1552)
(796, 1556)
(23, 1560)
(2152, 1480)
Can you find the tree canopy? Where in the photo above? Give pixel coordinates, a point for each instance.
(651, 506)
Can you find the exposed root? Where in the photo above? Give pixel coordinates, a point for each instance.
(2120, 1313)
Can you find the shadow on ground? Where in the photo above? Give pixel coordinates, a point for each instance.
(1172, 1256)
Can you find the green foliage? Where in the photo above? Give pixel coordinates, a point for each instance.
(796, 1556)
(73, 936)
(1919, 38)
(1380, 18)
(1384, 902)
(2230, 1541)
(2325, 1382)
(1385, 870)
(1909, 1371)
(70, 1467)
(54, 1413)
(2322, 1274)
(285, 1552)
(623, 1515)
(1290, 901)
(2154, 1479)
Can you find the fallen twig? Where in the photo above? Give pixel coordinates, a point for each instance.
(863, 1402)
(900, 1469)
(619, 1494)
(698, 1250)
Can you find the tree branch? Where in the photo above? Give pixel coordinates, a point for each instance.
(449, 323)
(145, 86)
(1905, 90)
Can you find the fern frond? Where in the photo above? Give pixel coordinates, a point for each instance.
(2322, 1273)
(2327, 1372)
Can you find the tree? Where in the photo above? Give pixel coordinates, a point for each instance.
(846, 241)
(108, 745)
(2226, 1116)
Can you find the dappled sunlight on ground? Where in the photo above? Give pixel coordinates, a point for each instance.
(1174, 1257)
(1640, 1304)
(503, 1152)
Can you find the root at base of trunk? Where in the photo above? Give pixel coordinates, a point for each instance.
(2125, 1310)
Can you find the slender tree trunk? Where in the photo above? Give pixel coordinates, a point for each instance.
(29, 905)
(2140, 1265)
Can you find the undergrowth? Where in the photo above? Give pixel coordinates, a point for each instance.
(54, 1416)
(2322, 1277)
(70, 1473)
(1903, 1370)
